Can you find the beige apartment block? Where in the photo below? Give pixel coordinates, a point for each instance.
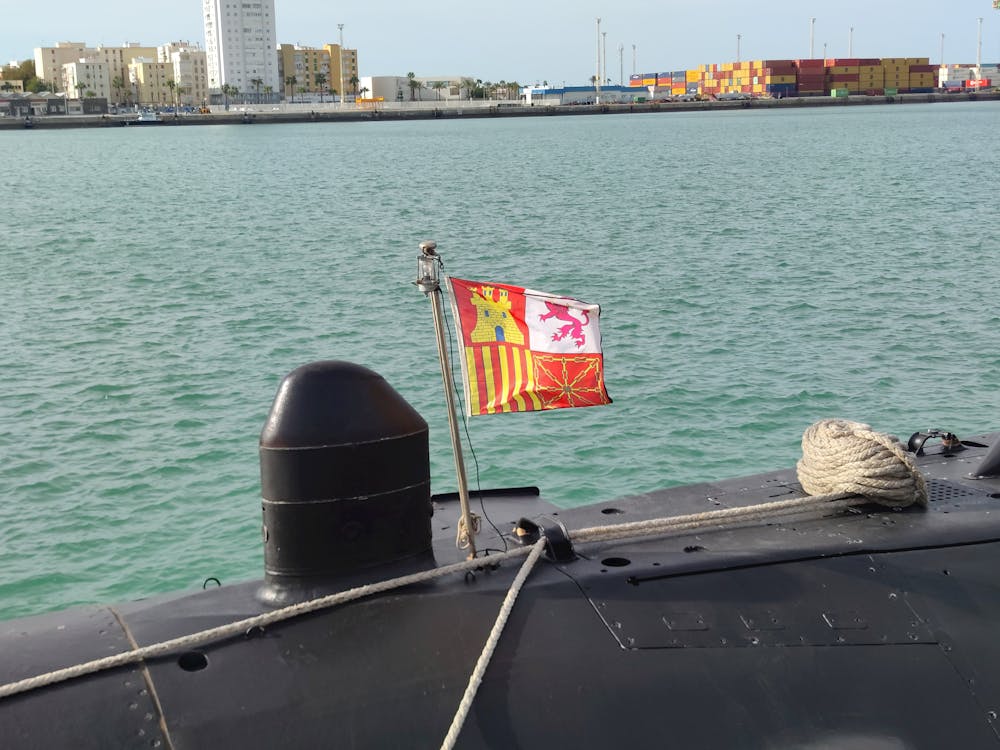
(49, 62)
(84, 79)
(190, 70)
(149, 82)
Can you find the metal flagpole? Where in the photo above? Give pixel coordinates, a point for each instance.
(428, 282)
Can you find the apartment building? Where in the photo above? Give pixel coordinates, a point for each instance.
(317, 69)
(240, 44)
(82, 79)
(50, 63)
(149, 80)
(190, 71)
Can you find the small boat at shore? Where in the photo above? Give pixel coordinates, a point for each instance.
(145, 117)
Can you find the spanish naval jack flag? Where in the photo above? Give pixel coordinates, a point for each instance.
(525, 350)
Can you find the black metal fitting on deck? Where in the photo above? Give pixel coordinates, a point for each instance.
(558, 547)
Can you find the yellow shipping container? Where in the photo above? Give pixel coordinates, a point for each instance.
(678, 90)
(844, 69)
(918, 61)
(779, 79)
(693, 76)
(886, 61)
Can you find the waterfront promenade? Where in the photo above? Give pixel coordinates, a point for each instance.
(390, 111)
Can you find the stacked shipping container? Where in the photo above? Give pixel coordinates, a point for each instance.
(806, 77)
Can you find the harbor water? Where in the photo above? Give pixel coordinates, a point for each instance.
(757, 271)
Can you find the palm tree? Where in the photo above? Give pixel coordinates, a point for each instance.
(257, 83)
(364, 90)
(172, 85)
(118, 83)
(438, 85)
(354, 81)
(320, 79)
(228, 91)
(268, 91)
(469, 85)
(79, 90)
(290, 82)
(414, 84)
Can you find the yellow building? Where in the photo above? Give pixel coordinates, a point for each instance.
(149, 82)
(317, 70)
(343, 67)
(50, 62)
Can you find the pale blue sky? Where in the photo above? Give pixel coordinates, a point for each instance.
(554, 40)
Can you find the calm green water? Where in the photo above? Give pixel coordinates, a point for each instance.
(757, 271)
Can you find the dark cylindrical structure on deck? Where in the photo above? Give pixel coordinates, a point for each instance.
(345, 476)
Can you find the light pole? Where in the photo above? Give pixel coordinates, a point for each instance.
(850, 43)
(633, 59)
(340, 65)
(597, 78)
(604, 56)
(621, 65)
(812, 30)
(942, 49)
(824, 51)
(979, 53)
(738, 38)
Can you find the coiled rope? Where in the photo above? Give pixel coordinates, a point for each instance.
(843, 464)
(849, 458)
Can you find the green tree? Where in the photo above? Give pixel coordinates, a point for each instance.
(437, 86)
(414, 84)
(79, 90)
(469, 85)
(118, 84)
(257, 83)
(320, 79)
(354, 81)
(290, 82)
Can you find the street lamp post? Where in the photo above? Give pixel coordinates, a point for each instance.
(850, 43)
(597, 78)
(604, 56)
(340, 66)
(621, 64)
(979, 53)
(633, 59)
(738, 38)
(812, 34)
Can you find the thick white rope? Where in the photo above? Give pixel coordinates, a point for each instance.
(491, 643)
(849, 457)
(240, 627)
(882, 472)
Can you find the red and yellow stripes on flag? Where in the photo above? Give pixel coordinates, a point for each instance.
(501, 379)
(525, 350)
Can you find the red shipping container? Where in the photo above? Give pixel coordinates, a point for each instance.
(923, 68)
(844, 62)
(810, 63)
(838, 77)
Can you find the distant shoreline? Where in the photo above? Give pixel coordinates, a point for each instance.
(452, 112)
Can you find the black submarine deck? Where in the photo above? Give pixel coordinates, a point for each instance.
(872, 628)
